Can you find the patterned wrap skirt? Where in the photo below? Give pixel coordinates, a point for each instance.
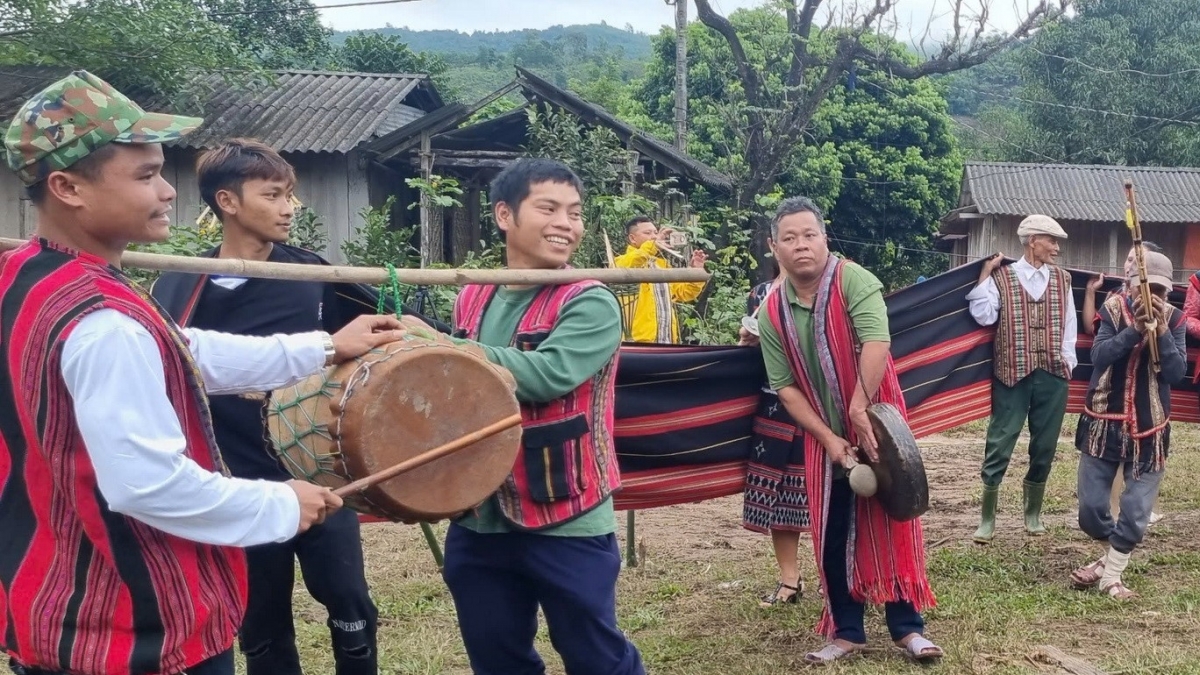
(775, 497)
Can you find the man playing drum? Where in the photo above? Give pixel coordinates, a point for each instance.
(547, 536)
(1116, 438)
(825, 343)
(1032, 306)
(119, 526)
(249, 187)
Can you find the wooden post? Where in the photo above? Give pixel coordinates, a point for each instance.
(426, 216)
(681, 95)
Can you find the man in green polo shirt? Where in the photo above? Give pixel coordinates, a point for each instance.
(825, 343)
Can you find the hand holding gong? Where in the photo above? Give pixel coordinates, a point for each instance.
(866, 434)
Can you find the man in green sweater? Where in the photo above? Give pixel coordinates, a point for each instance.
(547, 536)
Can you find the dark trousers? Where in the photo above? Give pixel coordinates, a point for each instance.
(1040, 397)
(902, 618)
(1095, 482)
(221, 664)
(497, 582)
(331, 562)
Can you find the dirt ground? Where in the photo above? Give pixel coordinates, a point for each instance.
(691, 604)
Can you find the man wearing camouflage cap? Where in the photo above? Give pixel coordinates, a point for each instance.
(1031, 304)
(119, 527)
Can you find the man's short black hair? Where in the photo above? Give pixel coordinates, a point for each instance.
(515, 182)
(635, 221)
(89, 167)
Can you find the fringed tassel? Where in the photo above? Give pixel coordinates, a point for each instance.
(911, 585)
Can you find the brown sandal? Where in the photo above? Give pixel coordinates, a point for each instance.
(1088, 576)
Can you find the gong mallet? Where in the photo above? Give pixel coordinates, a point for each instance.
(428, 456)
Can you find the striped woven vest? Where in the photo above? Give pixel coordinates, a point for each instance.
(1029, 334)
(568, 463)
(83, 589)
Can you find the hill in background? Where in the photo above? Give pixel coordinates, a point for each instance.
(481, 62)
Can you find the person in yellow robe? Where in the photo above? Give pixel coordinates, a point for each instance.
(653, 312)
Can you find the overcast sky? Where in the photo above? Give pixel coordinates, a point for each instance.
(644, 15)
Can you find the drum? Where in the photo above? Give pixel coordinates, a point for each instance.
(394, 403)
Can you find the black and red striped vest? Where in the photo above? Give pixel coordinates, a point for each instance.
(568, 463)
(83, 589)
(1029, 333)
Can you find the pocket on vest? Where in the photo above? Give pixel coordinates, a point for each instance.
(553, 459)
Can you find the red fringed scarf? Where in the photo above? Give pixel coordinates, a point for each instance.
(885, 559)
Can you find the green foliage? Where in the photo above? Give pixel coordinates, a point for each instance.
(307, 230)
(278, 33)
(184, 240)
(498, 43)
(378, 244)
(1085, 81)
(143, 47)
(878, 156)
(372, 52)
(480, 63)
(443, 192)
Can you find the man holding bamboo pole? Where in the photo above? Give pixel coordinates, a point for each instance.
(547, 536)
(1125, 427)
(119, 525)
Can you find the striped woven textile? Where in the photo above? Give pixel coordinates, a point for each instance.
(684, 414)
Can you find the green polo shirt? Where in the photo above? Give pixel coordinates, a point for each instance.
(868, 314)
(587, 334)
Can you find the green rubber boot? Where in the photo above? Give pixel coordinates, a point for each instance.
(1034, 494)
(987, 523)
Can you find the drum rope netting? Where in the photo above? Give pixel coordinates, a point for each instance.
(309, 448)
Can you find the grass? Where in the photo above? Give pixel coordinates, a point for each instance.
(691, 607)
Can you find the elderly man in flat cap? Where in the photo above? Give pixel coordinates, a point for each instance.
(1034, 356)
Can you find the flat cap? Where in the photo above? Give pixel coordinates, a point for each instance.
(1037, 224)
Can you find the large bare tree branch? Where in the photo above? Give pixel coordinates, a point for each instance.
(800, 26)
(960, 51)
(746, 72)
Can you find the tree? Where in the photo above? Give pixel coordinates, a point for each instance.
(279, 33)
(371, 52)
(144, 47)
(1117, 84)
(878, 154)
(784, 83)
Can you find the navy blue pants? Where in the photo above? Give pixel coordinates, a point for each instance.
(902, 618)
(498, 581)
(331, 561)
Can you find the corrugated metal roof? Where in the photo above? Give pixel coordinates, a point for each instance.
(1083, 192)
(309, 111)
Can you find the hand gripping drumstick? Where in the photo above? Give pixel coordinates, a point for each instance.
(427, 457)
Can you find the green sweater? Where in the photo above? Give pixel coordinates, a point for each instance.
(586, 336)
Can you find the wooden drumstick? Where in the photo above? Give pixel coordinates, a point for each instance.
(427, 457)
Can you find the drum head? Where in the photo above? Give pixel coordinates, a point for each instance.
(401, 400)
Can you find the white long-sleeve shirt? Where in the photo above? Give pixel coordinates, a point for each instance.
(984, 302)
(114, 373)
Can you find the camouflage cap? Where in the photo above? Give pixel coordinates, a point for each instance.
(69, 119)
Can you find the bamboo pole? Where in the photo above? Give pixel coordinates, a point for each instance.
(379, 275)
